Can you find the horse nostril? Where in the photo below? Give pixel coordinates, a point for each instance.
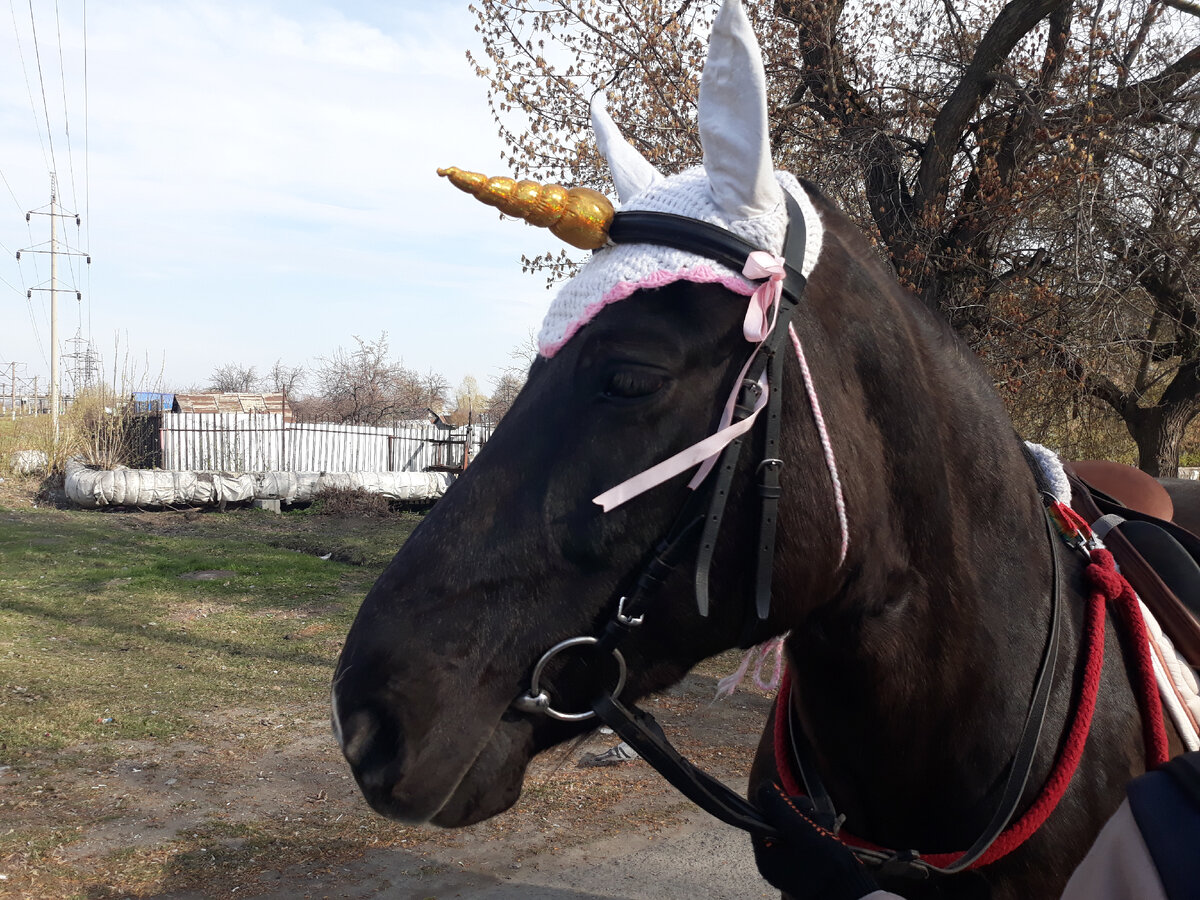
(358, 732)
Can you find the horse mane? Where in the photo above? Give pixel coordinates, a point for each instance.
(932, 326)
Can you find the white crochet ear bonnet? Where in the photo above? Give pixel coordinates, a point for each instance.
(736, 188)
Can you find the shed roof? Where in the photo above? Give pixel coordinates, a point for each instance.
(233, 403)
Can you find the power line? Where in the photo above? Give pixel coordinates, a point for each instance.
(33, 322)
(6, 282)
(28, 86)
(37, 54)
(62, 73)
(87, 177)
(37, 335)
(10, 191)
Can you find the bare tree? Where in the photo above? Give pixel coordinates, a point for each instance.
(504, 392)
(1135, 232)
(469, 402)
(522, 357)
(988, 149)
(511, 379)
(366, 386)
(435, 391)
(285, 379)
(233, 378)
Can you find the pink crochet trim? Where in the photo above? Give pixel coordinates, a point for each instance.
(661, 278)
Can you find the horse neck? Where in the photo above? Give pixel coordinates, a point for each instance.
(929, 637)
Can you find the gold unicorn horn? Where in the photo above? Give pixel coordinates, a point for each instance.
(579, 216)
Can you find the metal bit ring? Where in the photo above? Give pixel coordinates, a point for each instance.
(538, 701)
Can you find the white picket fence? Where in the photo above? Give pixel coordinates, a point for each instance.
(263, 442)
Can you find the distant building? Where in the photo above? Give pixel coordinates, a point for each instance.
(234, 403)
(151, 402)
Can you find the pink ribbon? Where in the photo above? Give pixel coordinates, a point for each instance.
(761, 313)
(772, 650)
(707, 449)
(765, 300)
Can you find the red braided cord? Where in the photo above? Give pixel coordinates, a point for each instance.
(1077, 522)
(1109, 585)
(1103, 575)
(783, 745)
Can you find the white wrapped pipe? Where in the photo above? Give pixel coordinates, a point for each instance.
(93, 488)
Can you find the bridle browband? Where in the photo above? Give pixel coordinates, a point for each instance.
(699, 521)
(712, 241)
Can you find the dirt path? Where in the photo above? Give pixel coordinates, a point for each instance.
(695, 858)
(265, 807)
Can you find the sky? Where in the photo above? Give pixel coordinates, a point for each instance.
(257, 182)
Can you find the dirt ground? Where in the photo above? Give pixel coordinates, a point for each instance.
(615, 832)
(259, 803)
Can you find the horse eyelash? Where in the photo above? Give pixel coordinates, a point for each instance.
(628, 384)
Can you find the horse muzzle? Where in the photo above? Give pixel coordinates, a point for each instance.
(446, 775)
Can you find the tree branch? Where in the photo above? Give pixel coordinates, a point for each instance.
(1144, 98)
(1013, 23)
(841, 104)
(1184, 6)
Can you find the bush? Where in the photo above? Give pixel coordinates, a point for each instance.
(97, 428)
(101, 430)
(350, 503)
(26, 438)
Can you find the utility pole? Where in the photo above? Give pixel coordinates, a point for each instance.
(54, 251)
(14, 392)
(54, 374)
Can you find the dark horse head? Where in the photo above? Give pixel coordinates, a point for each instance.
(914, 648)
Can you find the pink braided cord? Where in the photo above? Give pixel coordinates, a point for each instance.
(839, 498)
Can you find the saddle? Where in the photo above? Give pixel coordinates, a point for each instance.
(1131, 512)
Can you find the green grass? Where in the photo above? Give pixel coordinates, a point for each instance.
(96, 622)
(105, 650)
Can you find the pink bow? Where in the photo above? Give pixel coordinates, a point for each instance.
(761, 264)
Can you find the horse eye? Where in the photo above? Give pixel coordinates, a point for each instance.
(629, 384)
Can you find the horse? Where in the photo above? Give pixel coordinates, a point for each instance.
(914, 582)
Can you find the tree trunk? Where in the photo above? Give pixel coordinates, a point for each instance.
(1158, 432)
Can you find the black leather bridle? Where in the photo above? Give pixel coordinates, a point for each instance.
(699, 521)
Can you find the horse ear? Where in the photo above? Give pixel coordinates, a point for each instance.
(733, 119)
(631, 172)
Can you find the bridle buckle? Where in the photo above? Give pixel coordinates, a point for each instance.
(627, 621)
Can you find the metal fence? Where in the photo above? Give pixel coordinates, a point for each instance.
(263, 442)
